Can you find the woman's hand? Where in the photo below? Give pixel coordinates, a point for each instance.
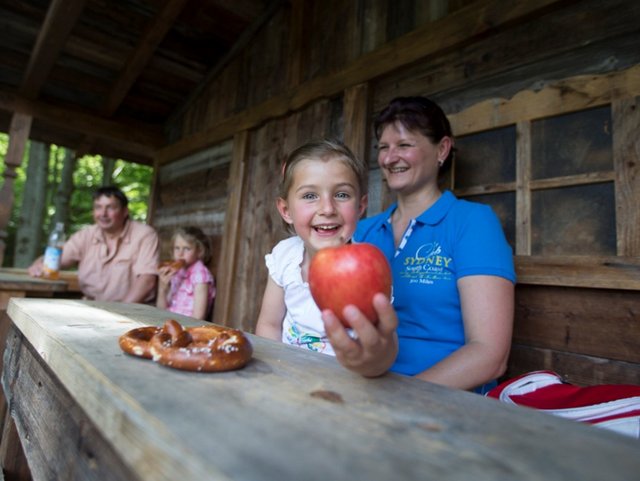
(375, 347)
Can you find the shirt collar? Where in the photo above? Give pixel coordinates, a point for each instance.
(433, 215)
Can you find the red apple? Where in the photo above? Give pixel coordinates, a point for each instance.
(349, 274)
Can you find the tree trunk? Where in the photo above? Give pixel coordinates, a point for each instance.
(108, 165)
(29, 230)
(62, 196)
(18, 136)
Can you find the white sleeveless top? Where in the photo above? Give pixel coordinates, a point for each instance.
(302, 326)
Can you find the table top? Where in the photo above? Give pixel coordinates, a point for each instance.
(17, 279)
(295, 414)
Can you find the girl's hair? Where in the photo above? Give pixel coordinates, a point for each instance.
(418, 114)
(195, 236)
(323, 150)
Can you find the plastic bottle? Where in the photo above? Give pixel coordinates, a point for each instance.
(53, 252)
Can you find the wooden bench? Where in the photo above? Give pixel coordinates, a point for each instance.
(579, 318)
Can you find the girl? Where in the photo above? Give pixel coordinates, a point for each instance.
(188, 289)
(322, 196)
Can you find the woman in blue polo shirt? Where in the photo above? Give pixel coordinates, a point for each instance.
(453, 274)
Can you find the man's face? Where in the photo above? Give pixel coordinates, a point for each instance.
(109, 214)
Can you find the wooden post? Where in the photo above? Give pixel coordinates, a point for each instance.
(232, 224)
(18, 136)
(626, 159)
(356, 118)
(523, 189)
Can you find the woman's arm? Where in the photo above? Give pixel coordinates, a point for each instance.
(376, 347)
(272, 312)
(487, 310)
(200, 301)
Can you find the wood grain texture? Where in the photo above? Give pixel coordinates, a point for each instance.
(290, 414)
(574, 368)
(51, 423)
(228, 252)
(456, 29)
(599, 272)
(591, 322)
(626, 157)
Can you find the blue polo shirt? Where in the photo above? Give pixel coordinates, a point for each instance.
(454, 238)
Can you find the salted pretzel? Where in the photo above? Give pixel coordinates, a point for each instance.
(177, 264)
(137, 342)
(204, 348)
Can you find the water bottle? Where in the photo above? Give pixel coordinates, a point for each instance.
(53, 252)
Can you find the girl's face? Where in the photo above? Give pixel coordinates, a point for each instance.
(183, 250)
(409, 160)
(323, 204)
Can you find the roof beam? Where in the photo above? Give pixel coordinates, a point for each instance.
(144, 50)
(141, 140)
(61, 17)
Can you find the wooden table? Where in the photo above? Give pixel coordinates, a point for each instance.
(18, 283)
(84, 410)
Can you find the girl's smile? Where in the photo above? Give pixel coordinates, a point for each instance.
(324, 203)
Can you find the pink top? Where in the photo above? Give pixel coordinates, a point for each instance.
(183, 285)
(109, 276)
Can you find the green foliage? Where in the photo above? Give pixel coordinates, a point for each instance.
(133, 179)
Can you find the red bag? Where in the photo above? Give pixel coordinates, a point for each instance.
(610, 406)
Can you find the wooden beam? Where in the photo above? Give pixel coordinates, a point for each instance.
(626, 158)
(356, 119)
(245, 9)
(232, 225)
(601, 272)
(558, 97)
(144, 50)
(61, 17)
(523, 190)
(141, 140)
(455, 30)
(18, 136)
(298, 39)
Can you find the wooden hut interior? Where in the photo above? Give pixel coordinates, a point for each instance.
(543, 95)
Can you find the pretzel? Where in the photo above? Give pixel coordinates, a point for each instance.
(177, 264)
(137, 341)
(205, 348)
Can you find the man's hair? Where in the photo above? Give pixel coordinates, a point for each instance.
(111, 191)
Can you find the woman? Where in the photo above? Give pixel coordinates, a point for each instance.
(453, 274)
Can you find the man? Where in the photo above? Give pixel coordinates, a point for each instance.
(117, 257)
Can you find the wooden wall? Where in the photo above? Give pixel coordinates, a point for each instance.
(325, 68)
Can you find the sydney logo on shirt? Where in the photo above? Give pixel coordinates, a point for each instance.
(427, 264)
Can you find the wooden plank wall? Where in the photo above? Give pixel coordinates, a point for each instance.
(193, 192)
(474, 52)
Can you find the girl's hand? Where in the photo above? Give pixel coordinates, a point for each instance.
(165, 274)
(376, 346)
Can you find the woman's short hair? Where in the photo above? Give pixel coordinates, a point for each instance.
(418, 114)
